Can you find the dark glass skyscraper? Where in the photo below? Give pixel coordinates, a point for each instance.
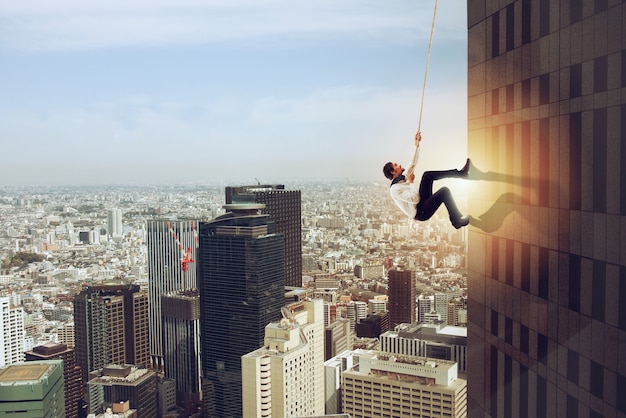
(547, 250)
(285, 210)
(241, 280)
(402, 297)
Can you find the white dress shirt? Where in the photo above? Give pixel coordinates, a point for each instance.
(404, 194)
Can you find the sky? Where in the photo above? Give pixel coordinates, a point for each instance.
(195, 91)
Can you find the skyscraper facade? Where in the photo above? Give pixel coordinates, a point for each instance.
(547, 255)
(285, 209)
(11, 332)
(241, 280)
(402, 296)
(172, 251)
(111, 326)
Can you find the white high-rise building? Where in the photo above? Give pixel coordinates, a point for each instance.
(286, 376)
(384, 384)
(172, 252)
(424, 306)
(11, 332)
(356, 311)
(114, 222)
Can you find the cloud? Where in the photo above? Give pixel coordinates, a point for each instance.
(79, 25)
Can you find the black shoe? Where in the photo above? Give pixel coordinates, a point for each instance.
(464, 172)
(460, 222)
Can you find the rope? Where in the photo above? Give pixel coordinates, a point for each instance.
(430, 45)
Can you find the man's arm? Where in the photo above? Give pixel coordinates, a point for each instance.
(415, 157)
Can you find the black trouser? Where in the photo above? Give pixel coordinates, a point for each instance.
(430, 202)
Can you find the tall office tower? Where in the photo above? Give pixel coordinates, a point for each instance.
(33, 389)
(114, 223)
(72, 374)
(125, 383)
(402, 296)
(11, 332)
(547, 254)
(241, 280)
(427, 340)
(111, 326)
(172, 251)
(425, 305)
(441, 305)
(337, 337)
(285, 377)
(285, 209)
(181, 328)
(394, 385)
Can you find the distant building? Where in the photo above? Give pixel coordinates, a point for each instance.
(32, 389)
(72, 373)
(369, 271)
(241, 280)
(333, 369)
(337, 337)
(285, 377)
(455, 315)
(441, 305)
(424, 340)
(402, 296)
(166, 394)
(356, 312)
(425, 305)
(11, 332)
(125, 383)
(383, 384)
(66, 334)
(373, 325)
(114, 223)
(285, 210)
(377, 304)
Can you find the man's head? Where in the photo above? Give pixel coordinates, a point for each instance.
(392, 170)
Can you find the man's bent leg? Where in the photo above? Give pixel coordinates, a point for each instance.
(426, 184)
(427, 207)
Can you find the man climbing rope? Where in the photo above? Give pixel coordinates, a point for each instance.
(421, 204)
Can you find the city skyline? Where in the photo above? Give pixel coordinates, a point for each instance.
(164, 92)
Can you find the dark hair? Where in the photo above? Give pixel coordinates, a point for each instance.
(388, 170)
